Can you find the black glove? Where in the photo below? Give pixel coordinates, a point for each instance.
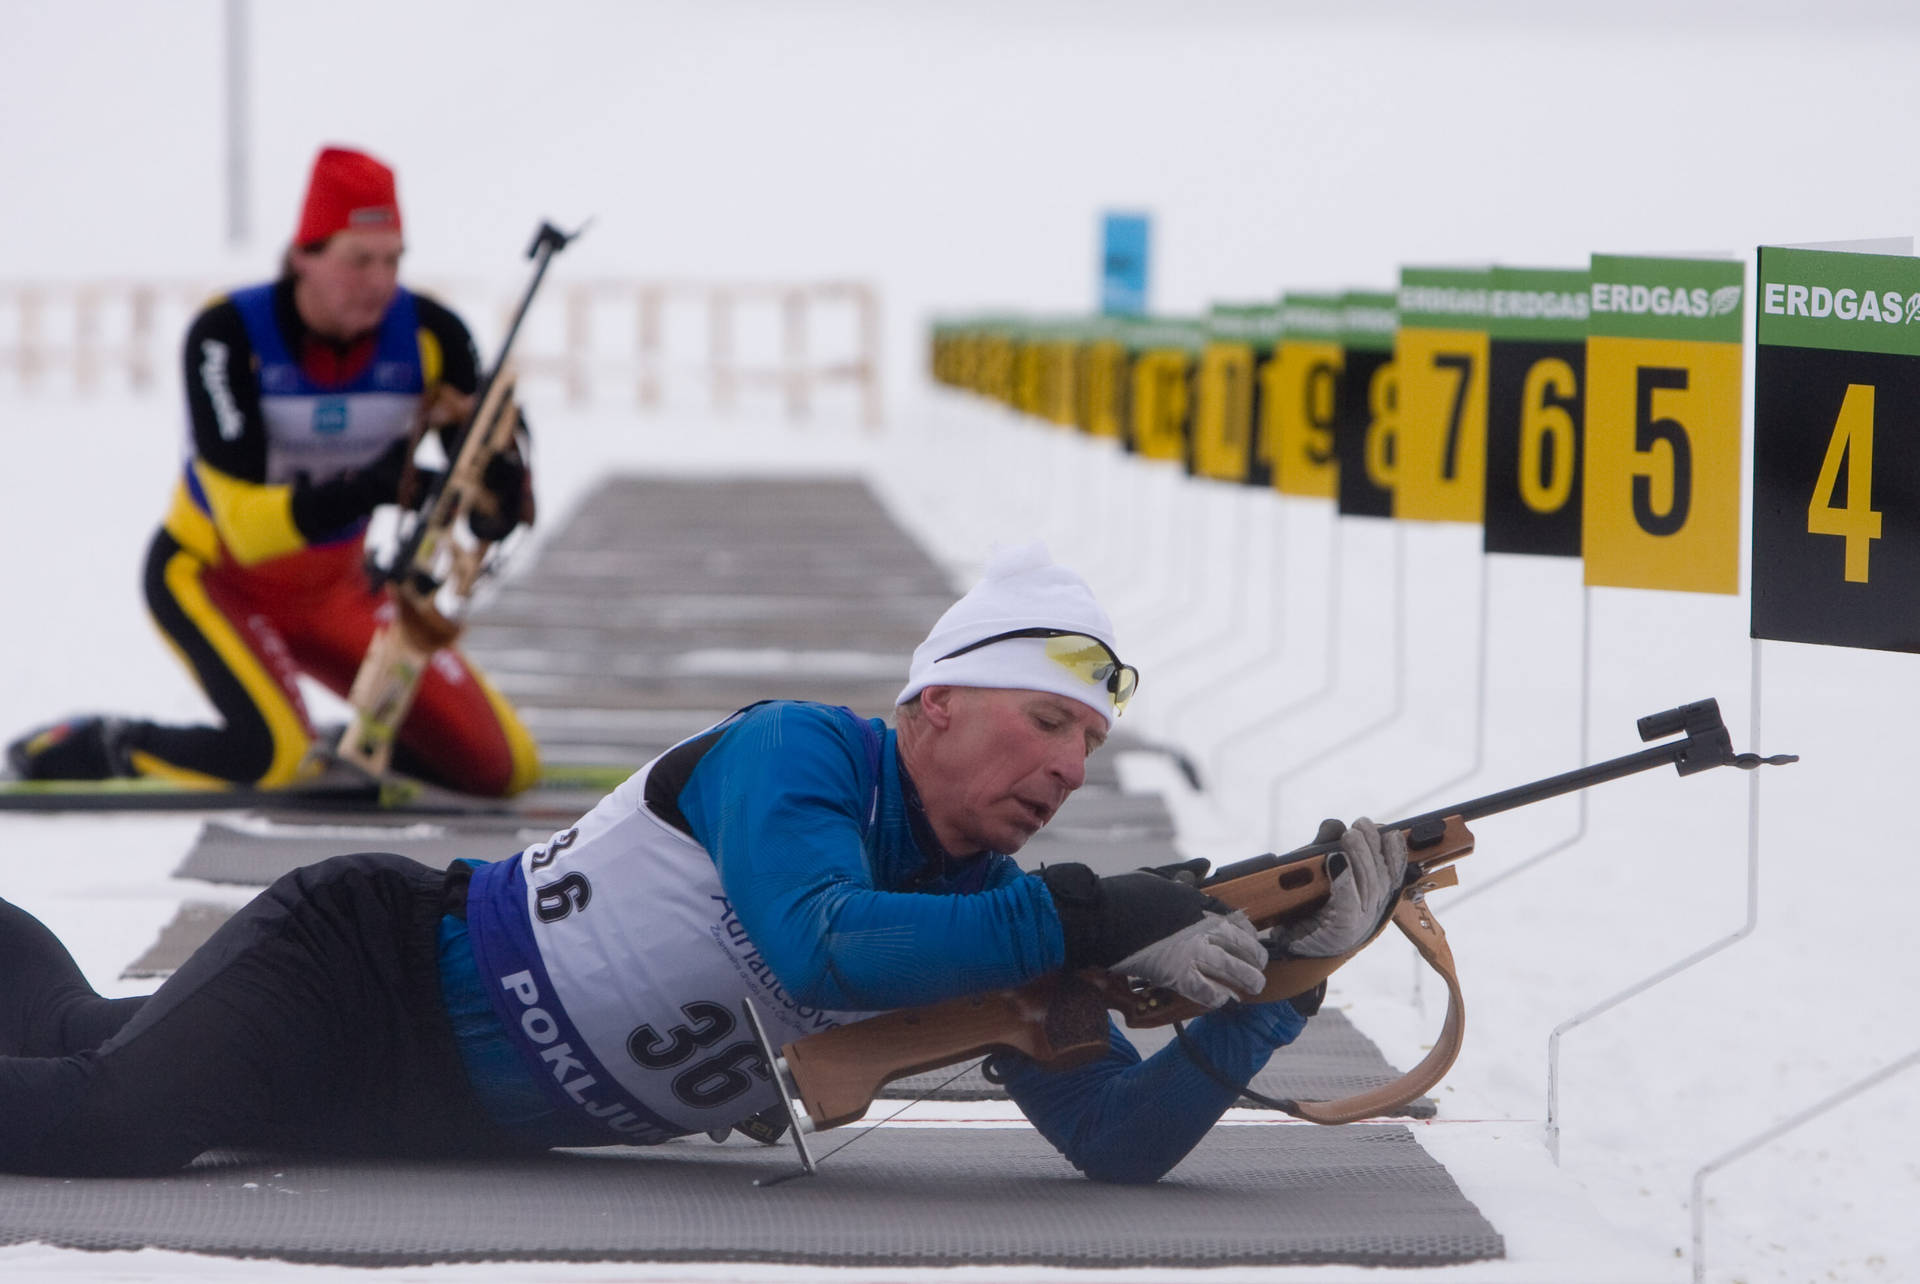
(1106, 919)
(1165, 932)
(320, 508)
(506, 482)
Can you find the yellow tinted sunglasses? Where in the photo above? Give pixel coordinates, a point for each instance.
(1083, 655)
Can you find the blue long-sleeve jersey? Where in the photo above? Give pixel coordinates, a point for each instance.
(783, 855)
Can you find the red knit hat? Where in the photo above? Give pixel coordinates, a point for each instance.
(349, 189)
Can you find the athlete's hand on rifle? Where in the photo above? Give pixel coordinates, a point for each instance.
(448, 407)
(506, 500)
(1366, 874)
(1166, 933)
(505, 497)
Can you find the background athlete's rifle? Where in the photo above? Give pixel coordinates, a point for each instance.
(434, 570)
(1061, 1020)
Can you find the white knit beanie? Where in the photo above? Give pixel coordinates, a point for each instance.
(1022, 588)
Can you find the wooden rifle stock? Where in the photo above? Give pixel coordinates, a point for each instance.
(1060, 1021)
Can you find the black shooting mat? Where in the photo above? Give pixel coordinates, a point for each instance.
(1264, 1195)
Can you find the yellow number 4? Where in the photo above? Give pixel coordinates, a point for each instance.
(1856, 522)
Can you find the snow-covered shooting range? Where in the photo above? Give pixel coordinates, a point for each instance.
(829, 340)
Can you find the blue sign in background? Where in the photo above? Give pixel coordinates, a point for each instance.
(1123, 265)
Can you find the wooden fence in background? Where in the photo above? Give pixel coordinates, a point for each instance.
(655, 343)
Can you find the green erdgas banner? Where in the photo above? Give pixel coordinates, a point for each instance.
(1549, 304)
(1537, 321)
(1843, 302)
(1657, 298)
(1368, 320)
(1320, 317)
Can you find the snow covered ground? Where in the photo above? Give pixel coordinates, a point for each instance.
(1816, 998)
(958, 157)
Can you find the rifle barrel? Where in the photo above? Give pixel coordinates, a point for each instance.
(1674, 751)
(1553, 786)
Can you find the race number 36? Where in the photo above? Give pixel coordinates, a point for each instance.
(1661, 503)
(1836, 525)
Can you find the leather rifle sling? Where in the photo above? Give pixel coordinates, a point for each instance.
(1417, 923)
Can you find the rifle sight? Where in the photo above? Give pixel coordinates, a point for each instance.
(1708, 743)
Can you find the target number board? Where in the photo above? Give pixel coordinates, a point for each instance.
(1239, 348)
(1165, 354)
(1661, 491)
(1101, 387)
(1367, 404)
(1836, 462)
(1440, 437)
(1300, 396)
(1537, 323)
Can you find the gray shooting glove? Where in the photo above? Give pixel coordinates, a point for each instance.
(1366, 874)
(1219, 958)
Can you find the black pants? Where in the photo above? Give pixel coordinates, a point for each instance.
(312, 1020)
